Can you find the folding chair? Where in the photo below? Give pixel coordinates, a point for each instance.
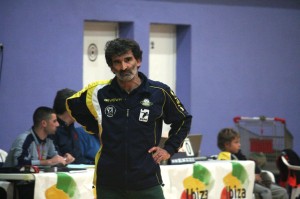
(288, 164)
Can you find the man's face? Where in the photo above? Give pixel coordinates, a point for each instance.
(125, 67)
(51, 124)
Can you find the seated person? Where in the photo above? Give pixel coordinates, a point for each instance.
(89, 144)
(66, 138)
(229, 144)
(34, 147)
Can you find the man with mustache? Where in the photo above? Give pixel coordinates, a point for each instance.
(128, 113)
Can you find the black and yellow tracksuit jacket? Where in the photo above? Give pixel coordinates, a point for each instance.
(129, 125)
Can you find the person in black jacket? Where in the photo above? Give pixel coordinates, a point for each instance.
(66, 138)
(229, 143)
(128, 113)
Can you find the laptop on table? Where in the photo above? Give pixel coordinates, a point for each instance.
(190, 150)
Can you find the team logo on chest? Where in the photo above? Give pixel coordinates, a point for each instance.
(110, 111)
(146, 102)
(144, 115)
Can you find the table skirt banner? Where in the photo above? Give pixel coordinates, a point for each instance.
(64, 185)
(209, 180)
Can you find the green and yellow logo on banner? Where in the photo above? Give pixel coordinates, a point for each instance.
(197, 185)
(65, 188)
(201, 182)
(235, 182)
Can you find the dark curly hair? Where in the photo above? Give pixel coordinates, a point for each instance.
(119, 46)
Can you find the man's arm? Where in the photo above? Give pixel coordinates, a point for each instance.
(57, 159)
(179, 119)
(82, 108)
(22, 153)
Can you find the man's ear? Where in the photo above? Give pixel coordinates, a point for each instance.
(44, 123)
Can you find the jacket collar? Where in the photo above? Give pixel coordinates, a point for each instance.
(36, 137)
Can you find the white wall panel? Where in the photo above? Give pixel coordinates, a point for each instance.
(97, 33)
(162, 58)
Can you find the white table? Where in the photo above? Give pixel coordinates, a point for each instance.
(76, 184)
(178, 181)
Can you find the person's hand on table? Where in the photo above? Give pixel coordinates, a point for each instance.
(69, 158)
(159, 154)
(55, 160)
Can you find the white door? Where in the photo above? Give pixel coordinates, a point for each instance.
(162, 58)
(96, 34)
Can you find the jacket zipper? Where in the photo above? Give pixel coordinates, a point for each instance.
(126, 147)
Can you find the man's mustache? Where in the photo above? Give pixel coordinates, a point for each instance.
(125, 72)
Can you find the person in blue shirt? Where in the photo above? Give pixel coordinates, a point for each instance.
(66, 138)
(89, 144)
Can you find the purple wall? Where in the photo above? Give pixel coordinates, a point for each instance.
(244, 58)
